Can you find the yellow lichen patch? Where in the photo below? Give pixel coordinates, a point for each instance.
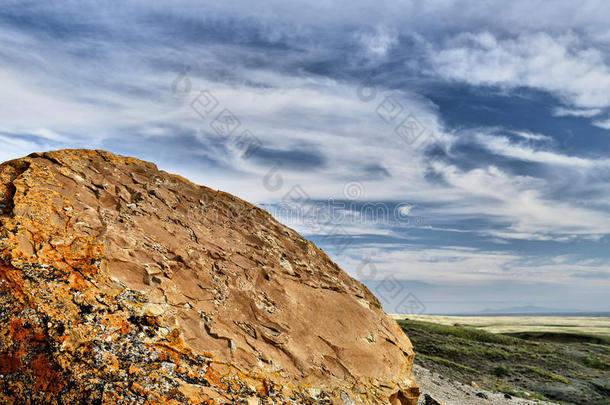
(133, 370)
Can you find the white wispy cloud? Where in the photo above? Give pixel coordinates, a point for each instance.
(458, 265)
(576, 112)
(605, 124)
(378, 43)
(503, 146)
(522, 202)
(559, 64)
(532, 136)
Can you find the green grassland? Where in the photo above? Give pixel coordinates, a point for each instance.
(571, 366)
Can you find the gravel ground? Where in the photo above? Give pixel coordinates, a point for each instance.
(455, 393)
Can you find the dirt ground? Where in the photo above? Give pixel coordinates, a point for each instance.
(455, 393)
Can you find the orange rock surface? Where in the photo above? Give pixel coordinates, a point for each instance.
(123, 284)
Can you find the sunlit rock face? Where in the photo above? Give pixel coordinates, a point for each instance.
(120, 283)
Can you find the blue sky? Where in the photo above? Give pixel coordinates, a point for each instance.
(457, 152)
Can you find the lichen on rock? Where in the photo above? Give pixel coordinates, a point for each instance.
(120, 283)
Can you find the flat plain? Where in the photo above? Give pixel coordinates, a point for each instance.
(590, 325)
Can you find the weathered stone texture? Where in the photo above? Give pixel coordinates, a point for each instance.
(120, 283)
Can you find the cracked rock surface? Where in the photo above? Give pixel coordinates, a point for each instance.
(120, 283)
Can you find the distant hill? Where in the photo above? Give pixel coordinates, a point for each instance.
(529, 309)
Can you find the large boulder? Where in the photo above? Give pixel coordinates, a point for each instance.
(120, 283)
